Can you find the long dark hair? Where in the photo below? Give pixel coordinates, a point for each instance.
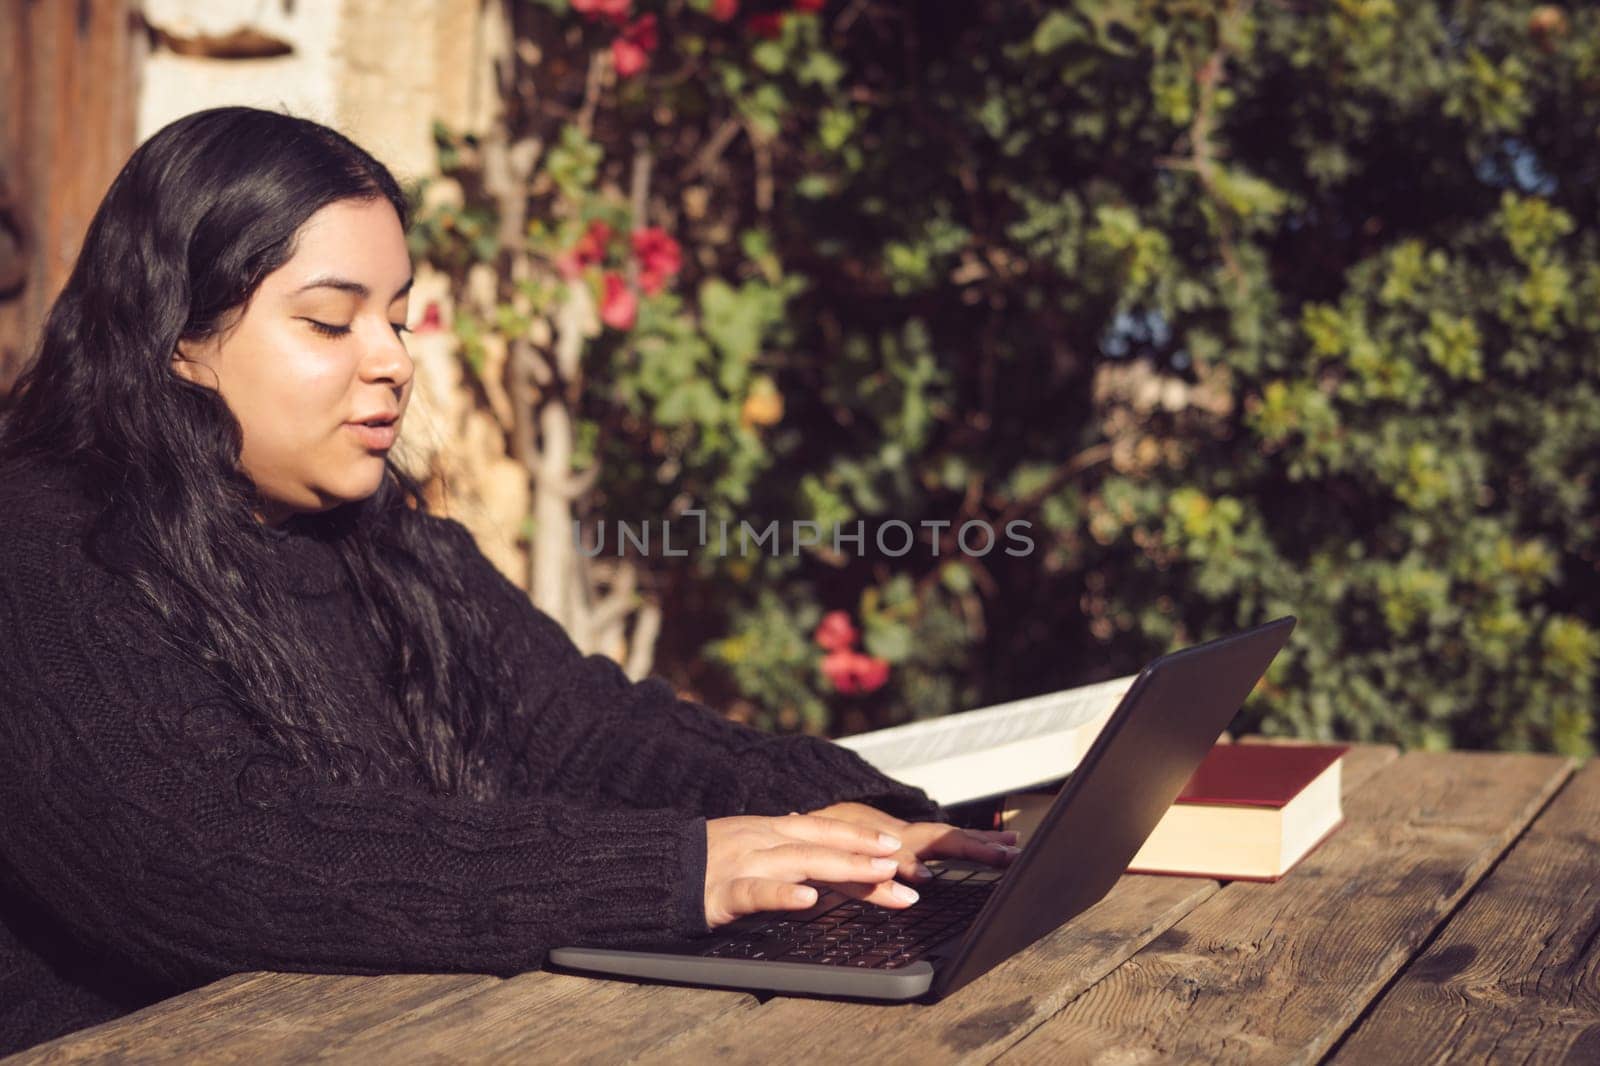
(200, 214)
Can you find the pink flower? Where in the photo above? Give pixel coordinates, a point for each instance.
(567, 262)
(628, 58)
(835, 632)
(619, 307)
(432, 318)
(615, 10)
(630, 53)
(660, 257)
(851, 672)
(723, 10)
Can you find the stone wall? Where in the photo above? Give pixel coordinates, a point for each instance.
(379, 70)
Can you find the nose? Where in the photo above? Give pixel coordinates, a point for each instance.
(388, 360)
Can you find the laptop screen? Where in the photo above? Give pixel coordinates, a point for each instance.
(1170, 718)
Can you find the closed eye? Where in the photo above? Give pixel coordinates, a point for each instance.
(339, 331)
(325, 328)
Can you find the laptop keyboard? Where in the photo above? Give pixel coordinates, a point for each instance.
(859, 934)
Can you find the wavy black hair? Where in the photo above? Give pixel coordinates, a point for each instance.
(199, 215)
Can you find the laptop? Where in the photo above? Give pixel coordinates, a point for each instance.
(972, 917)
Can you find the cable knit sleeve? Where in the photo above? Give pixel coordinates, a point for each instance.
(119, 779)
(602, 736)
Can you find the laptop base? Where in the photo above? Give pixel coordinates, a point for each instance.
(905, 983)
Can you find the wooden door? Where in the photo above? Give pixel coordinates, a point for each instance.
(69, 79)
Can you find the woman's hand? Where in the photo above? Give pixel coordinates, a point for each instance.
(918, 840)
(756, 863)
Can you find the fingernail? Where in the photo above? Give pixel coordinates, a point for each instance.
(924, 872)
(887, 841)
(1007, 849)
(904, 893)
(884, 866)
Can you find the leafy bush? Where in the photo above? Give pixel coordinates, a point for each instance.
(1243, 309)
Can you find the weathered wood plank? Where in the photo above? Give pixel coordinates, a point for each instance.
(101, 1040)
(254, 1017)
(546, 1018)
(1277, 972)
(1515, 975)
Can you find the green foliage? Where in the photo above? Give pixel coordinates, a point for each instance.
(772, 660)
(1290, 309)
(573, 162)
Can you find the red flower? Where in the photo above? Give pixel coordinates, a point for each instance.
(643, 33)
(723, 10)
(810, 6)
(851, 672)
(591, 247)
(871, 672)
(615, 10)
(835, 632)
(660, 257)
(589, 250)
(839, 668)
(767, 25)
(619, 307)
(432, 318)
(630, 53)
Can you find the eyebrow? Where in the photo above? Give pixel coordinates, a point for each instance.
(332, 281)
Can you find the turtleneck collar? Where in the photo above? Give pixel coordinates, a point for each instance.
(306, 551)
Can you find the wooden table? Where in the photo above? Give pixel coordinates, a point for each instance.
(1455, 917)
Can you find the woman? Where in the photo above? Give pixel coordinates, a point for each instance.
(260, 710)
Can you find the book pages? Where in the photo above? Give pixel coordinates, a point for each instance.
(997, 749)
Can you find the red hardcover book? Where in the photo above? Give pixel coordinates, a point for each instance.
(1250, 812)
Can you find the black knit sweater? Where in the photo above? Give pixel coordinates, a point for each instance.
(131, 870)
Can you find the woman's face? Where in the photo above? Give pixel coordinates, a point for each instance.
(316, 349)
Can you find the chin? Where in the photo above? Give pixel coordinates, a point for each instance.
(365, 484)
(353, 487)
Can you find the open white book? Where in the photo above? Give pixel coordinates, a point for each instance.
(991, 751)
